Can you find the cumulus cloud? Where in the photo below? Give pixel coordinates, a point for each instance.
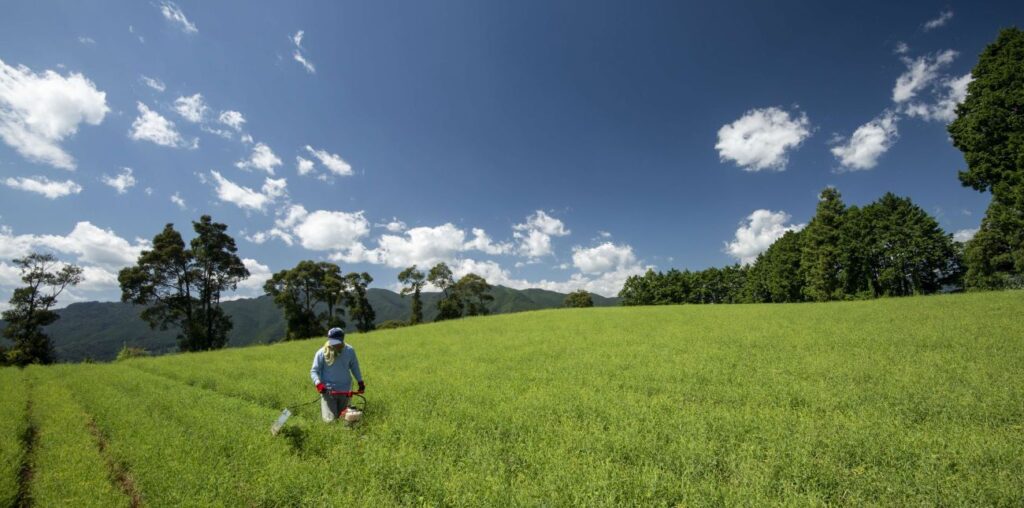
(174, 14)
(191, 108)
(100, 253)
(154, 83)
(920, 73)
(953, 92)
(298, 53)
(151, 126)
(333, 162)
(761, 138)
(251, 287)
(42, 185)
(303, 166)
(534, 235)
(247, 198)
(262, 158)
(122, 182)
(178, 200)
(965, 235)
(943, 18)
(232, 119)
(394, 225)
(862, 150)
(758, 232)
(331, 230)
(38, 111)
(603, 258)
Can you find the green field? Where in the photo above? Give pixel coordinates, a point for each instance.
(914, 401)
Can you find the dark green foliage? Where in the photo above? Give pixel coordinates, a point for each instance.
(989, 130)
(181, 287)
(775, 277)
(450, 305)
(301, 291)
(713, 285)
(414, 280)
(900, 250)
(473, 290)
(578, 298)
(44, 280)
(994, 257)
(821, 256)
(359, 307)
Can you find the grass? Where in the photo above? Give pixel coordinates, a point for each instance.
(895, 401)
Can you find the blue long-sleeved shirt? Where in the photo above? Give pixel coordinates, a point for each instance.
(336, 376)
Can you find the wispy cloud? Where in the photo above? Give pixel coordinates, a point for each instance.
(943, 18)
(298, 53)
(174, 14)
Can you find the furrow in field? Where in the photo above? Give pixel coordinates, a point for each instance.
(189, 445)
(13, 429)
(67, 466)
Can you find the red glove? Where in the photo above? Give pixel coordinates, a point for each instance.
(362, 387)
(320, 387)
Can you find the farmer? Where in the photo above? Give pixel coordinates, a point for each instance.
(334, 365)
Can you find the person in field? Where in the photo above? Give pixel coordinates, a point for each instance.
(334, 366)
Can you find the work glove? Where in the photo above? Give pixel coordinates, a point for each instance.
(362, 387)
(320, 387)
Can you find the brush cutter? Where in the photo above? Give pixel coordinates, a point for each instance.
(351, 414)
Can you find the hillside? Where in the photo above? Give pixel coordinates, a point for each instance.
(98, 330)
(894, 402)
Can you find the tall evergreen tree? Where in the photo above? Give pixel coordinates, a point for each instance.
(413, 281)
(775, 277)
(450, 305)
(182, 287)
(359, 308)
(30, 307)
(820, 250)
(989, 130)
(473, 290)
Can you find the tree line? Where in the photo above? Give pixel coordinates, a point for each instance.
(890, 247)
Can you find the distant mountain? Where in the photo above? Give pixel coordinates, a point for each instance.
(98, 330)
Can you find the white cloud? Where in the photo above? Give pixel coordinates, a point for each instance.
(88, 41)
(603, 258)
(154, 83)
(333, 162)
(304, 166)
(901, 48)
(245, 197)
(298, 55)
(247, 139)
(94, 245)
(483, 243)
(867, 143)
(151, 126)
(943, 18)
(965, 235)
(761, 137)
(178, 200)
(535, 234)
(37, 111)
(423, 246)
(174, 14)
(262, 158)
(758, 232)
(251, 287)
(394, 225)
(149, 191)
(191, 108)
(919, 74)
(42, 185)
(944, 109)
(329, 230)
(232, 119)
(122, 182)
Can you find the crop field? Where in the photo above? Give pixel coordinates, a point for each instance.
(914, 401)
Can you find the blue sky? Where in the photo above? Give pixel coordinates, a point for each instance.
(545, 144)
